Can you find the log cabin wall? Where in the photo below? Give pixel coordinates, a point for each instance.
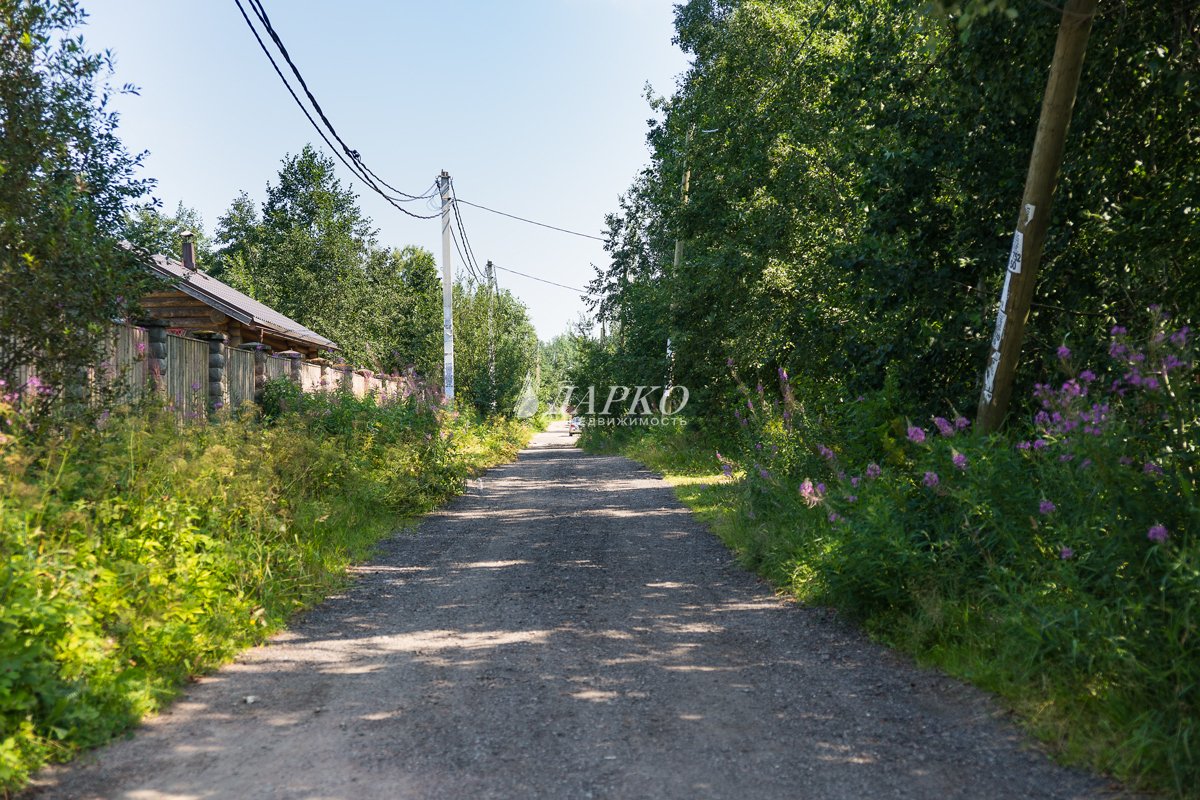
(184, 312)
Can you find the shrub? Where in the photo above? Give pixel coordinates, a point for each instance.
(1059, 555)
(144, 552)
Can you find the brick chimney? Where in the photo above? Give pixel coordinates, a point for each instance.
(189, 251)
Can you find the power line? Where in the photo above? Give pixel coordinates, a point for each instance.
(261, 12)
(465, 261)
(543, 280)
(804, 51)
(531, 222)
(462, 227)
(358, 169)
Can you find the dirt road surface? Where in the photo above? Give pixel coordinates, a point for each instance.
(568, 630)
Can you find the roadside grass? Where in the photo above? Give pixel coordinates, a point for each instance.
(1069, 662)
(140, 553)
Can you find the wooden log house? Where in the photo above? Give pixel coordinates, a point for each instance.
(197, 301)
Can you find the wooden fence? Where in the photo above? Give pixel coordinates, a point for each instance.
(201, 374)
(239, 372)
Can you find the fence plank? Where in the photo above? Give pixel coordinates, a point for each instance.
(239, 369)
(187, 376)
(278, 367)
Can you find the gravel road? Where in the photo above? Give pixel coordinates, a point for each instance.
(567, 629)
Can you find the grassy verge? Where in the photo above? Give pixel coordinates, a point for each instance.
(140, 554)
(1072, 639)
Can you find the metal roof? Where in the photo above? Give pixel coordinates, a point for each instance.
(233, 303)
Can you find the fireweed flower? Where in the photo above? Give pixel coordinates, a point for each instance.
(943, 425)
(1157, 533)
(873, 470)
(811, 494)
(960, 461)
(1046, 507)
(931, 479)
(915, 434)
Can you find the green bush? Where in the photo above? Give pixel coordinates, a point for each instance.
(1055, 564)
(145, 552)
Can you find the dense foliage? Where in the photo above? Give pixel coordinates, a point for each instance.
(855, 171)
(66, 182)
(495, 348)
(828, 280)
(1060, 568)
(144, 553)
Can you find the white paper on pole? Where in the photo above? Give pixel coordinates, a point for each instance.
(1014, 255)
(989, 377)
(998, 334)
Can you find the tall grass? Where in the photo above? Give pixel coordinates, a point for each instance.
(138, 552)
(1056, 564)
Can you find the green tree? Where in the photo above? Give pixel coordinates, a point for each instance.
(156, 233)
(66, 182)
(238, 244)
(855, 171)
(514, 343)
(401, 306)
(315, 242)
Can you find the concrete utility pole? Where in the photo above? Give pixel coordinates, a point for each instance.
(1034, 217)
(443, 183)
(492, 291)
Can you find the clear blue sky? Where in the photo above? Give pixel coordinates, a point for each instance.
(534, 107)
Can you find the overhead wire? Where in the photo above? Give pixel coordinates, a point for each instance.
(531, 221)
(543, 280)
(352, 160)
(261, 12)
(349, 156)
(803, 53)
(357, 168)
(463, 259)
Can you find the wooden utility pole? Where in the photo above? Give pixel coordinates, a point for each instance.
(683, 191)
(443, 183)
(1034, 217)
